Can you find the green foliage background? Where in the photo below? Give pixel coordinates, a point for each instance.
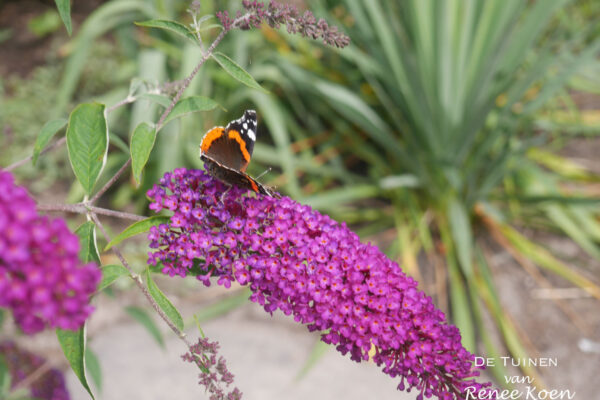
(439, 127)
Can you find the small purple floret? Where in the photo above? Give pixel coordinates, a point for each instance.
(42, 279)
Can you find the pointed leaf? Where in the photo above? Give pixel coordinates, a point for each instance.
(190, 105)
(147, 322)
(223, 306)
(5, 378)
(237, 72)
(93, 367)
(460, 227)
(172, 26)
(461, 315)
(142, 142)
(164, 303)
(331, 199)
(87, 239)
(318, 351)
(160, 99)
(47, 132)
(136, 228)
(73, 346)
(111, 273)
(87, 143)
(64, 9)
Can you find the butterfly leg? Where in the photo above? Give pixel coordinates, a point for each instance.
(222, 197)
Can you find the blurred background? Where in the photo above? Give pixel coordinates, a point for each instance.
(462, 137)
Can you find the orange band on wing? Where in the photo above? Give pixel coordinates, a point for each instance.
(235, 135)
(210, 137)
(254, 185)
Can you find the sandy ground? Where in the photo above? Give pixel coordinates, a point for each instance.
(265, 354)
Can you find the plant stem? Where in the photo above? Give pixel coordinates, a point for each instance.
(127, 100)
(83, 208)
(110, 182)
(188, 79)
(140, 284)
(33, 377)
(55, 145)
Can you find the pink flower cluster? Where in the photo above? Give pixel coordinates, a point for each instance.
(307, 265)
(41, 277)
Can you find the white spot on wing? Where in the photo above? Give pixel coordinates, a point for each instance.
(251, 135)
(245, 125)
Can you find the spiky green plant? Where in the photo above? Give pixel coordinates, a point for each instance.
(428, 131)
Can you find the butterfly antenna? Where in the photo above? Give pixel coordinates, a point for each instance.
(264, 173)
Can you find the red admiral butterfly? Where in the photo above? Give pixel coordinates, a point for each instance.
(226, 152)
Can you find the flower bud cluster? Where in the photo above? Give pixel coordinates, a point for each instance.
(311, 267)
(42, 279)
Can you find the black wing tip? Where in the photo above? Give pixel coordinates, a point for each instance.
(250, 114)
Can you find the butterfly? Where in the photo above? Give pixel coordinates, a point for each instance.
(226, 152)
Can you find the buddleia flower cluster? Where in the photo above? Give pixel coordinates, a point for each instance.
(214, 374)
(42, 280)
(277, 14)
(307, 265)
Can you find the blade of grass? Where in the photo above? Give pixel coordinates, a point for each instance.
(538, 254)
(274, 119)
(461, 313)
(223, 306)
(103, 19)
(334, 197)
(511, 334)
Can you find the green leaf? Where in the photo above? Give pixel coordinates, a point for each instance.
(223, 306)
(331, 199)
(190, 105)
(142, 142)
(172, 26)
(87, 143)
(73, 346)
(160, 99)
(92, 365)
(460, 227)
(147, 322)
(318, 351)
(111, 273)
(5, 378)
(87, 239)
(136, 228)
(164, 303)
(44, 24)
(237, 72)
(47, 132)
(461, 314)
(64, 9)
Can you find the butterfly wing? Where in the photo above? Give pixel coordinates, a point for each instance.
(232, 146)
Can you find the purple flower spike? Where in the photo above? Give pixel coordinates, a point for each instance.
(307, 265)
(277, 14)
(215, 376)
(41, 278)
